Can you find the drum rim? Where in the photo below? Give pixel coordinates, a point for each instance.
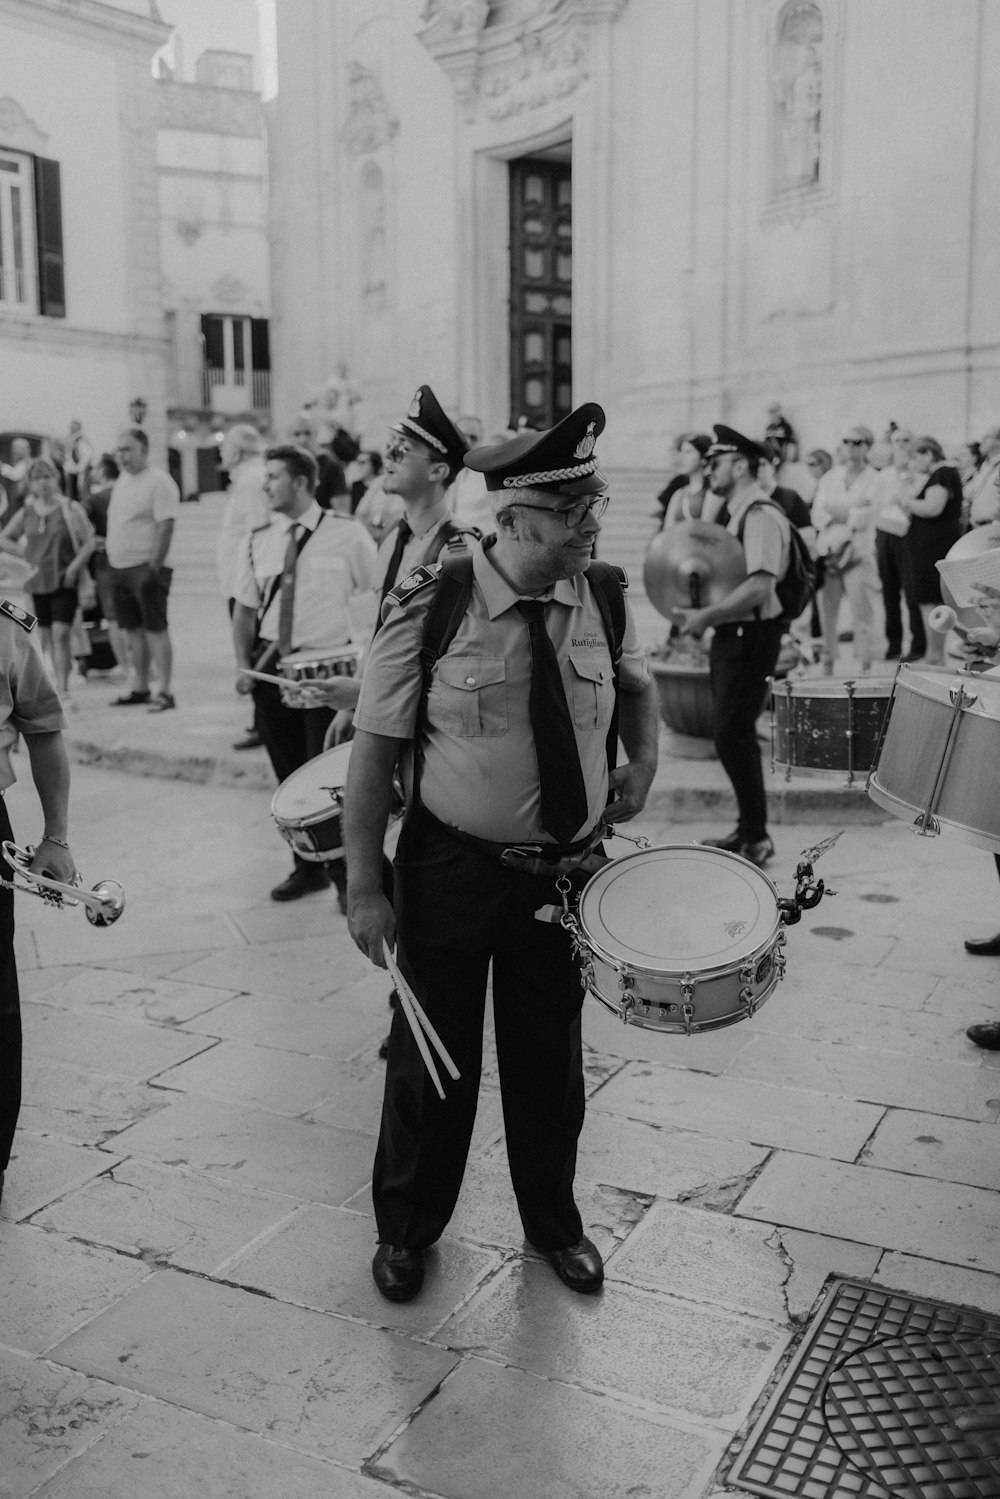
(908, 680)
(900, 808)
(306, 820)
(822, 688)
(835, 773)
(715, 970)
(678, 1028)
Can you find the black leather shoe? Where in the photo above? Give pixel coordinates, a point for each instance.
(252, 741)
(758, 853)
(398, 1273)
(301, 882)
(579, 1266)
(987, 1035)
(983, 947)
(732, 843)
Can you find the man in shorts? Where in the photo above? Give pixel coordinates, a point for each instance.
(141, 514)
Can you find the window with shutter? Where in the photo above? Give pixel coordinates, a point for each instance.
(17, 237)
(48, 219)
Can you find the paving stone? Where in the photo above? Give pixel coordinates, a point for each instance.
(303, 968)
(700, 1361)
(166, 1214)
(737, 1109)
(321, 1384)
(261, 1077)
(952, 1283)
(322, 1258)
(40, 981)
(42, 1170)
(843, 1019)
(705, 1257)
(161, 1452)
(125, 1048)
(147, 926)
(645, 1157)
(314, 1027)
(317, 1162)
(51, 1286)
(946, 1222)
(534, 1438)
(47, 1416)
(111, 991)
(271, 922)
(76, 1103)
(879, 1077)
(954, 1150)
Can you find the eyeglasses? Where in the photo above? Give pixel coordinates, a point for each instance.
(573, 515)
(397, 448)
(854, 442)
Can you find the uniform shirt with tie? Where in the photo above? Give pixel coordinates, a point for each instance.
(413, 554)
(766, 543)
(480, 768)
(335, 568)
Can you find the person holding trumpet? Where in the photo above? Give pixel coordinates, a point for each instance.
(506, 764)
(29, 705)
(297, 581)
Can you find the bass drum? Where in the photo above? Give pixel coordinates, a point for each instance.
(941, 755)
(681, 938)
(828, 728)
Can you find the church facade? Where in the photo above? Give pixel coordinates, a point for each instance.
(683, 210)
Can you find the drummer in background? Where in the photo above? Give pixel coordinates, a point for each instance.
(748, 627)
(29, 705)
(297, 582)
(513, 793)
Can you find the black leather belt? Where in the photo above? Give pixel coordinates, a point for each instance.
(533, 858)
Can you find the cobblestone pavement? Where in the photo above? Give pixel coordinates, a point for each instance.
(186, 1231)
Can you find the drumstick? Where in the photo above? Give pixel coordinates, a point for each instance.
(265, 676)
(414, 1024)
(407, 997)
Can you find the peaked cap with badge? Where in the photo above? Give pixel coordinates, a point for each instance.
(728, 440)
(561, 460)
(425, 419)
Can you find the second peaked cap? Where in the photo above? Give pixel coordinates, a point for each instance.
(425, 419)
(561, 460)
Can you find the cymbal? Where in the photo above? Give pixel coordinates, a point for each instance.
(692, 564)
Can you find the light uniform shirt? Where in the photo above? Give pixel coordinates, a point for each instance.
(414, 552)
(334, 567)
(29, 703)
(766, 545)
(480, 772)
(138, 503)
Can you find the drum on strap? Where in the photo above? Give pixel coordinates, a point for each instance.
(308, 805)
(827, 728)
(681, 937)
(940, 757)
(320, 666)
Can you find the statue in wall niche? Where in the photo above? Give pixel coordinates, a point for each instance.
(798, 97)
(369, 122)
(373, 217)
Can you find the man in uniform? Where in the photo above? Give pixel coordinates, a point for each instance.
(747, 635)
(30, 706)
(510, 753)
(294, 585)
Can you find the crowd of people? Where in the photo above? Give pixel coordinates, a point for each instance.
(877, 514)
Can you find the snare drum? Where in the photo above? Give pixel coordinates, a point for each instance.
(941, 756)
(825, 728)
(682, 938)
(307, 806)
(320, 666)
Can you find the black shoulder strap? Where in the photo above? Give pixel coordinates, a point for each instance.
(453, 538)
(447, 609)
(610, 584)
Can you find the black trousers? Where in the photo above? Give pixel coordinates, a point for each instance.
(890, 555)
(458, 909)
(291, 737)
(741, 659)
(10, 1014)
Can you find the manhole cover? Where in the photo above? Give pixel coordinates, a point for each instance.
(867, 1407)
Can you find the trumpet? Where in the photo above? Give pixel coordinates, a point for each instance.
(102, 905)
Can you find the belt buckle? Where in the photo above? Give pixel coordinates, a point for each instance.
(517, 855)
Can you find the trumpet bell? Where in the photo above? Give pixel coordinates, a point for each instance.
(111, 896)
(103, 905)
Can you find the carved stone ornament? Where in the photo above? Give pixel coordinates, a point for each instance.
(18, 131)
(500, 69)
(369, 121)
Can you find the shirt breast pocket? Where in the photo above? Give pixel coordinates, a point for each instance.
(593, 692)
(468, 697)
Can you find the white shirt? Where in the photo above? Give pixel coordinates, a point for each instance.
(138, 503)
(335, 565)
(246, 510)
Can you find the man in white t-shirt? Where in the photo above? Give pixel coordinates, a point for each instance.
(141, 514)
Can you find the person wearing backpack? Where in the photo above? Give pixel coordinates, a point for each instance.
(504, 733)
(747, 628)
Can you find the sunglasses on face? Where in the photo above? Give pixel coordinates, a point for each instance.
(397, 448)
(855, 442)
(573, 515)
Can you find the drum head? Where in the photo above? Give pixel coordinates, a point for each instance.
(677, 909)
(938, 683)
(304, 793)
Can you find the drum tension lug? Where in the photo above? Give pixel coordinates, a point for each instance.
(748, 1001)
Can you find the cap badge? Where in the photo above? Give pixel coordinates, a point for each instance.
(585, 446)
(414, 410)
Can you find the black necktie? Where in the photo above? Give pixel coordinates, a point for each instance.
(286, 604)
(403, 534)
(560, 776)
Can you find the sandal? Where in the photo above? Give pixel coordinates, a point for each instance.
(129, 698)
(161, 702)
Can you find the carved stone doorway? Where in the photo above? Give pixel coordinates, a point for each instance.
(541, 291)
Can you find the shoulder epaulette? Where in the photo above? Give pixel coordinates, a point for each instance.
(419, 578)
(461, 538)
(18, 615)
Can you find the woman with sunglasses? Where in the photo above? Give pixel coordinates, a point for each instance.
(843, 513)
(935, 512)
(55, 536)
